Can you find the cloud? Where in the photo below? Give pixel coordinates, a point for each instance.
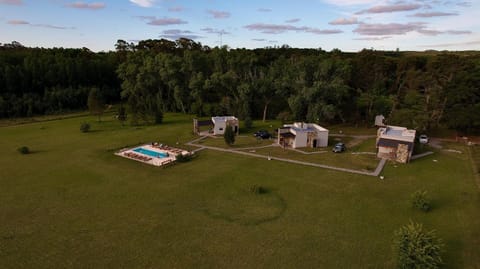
(433, 14)
(272, 28)
(379, 29)
(17, 22)
(464, 4)
(53, 26)
(219, 14)
(344, 21)
(293, 20)
(388, 29)
(458, 32)
(22, 22)
(373, 38)
(350, 2)
(83, 5)
(176, 34)
(449, 32)
(399, 7)
(469, 43)
(209, 30)
(282, 28)
(264, 10)
(152, 20)
(143, 3)
(323, 32)
(430, 32)
(259, 39)
(12, 2)
(176, 9)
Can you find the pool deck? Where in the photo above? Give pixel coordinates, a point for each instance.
(129, 153)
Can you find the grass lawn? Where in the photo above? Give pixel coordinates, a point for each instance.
(73, 204)
(241, 141)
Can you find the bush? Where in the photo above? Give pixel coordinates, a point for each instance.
(122, 114)
(256, 189)
(416, 248)
(183, 158)
(84, 127)
(23, 150)
(420, 200)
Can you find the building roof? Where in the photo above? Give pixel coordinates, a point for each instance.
(305, 127)
(223, 118)
(397, 133)
(287, 134)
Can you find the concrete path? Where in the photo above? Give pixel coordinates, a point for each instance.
(379, 168)
(418, 156)
(375, 173)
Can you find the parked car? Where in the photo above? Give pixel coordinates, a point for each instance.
(263, 134)
(339, 147)
(423, 139)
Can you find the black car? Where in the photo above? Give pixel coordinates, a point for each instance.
(263, 134)
(339, 147)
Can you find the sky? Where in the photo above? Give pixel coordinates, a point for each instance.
(348, 25)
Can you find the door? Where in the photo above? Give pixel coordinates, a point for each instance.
(314, 144)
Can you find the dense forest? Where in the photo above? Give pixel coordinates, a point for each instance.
(421, 90)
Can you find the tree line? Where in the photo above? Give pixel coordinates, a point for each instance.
(44, 81)
(420, 90)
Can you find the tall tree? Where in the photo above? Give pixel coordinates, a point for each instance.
(96, 103)
(229, 135)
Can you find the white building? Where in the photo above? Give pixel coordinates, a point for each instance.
(220, 123)
(300, 135)
(395, 143)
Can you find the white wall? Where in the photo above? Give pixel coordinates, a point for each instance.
(219, 128)
(300, 140)
(322, 139)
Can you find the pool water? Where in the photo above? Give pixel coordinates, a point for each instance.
(151, 153)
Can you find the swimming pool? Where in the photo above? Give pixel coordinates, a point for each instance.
(151, 153)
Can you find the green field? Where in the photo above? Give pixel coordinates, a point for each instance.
(73, 204)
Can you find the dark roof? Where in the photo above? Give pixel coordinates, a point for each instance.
(287, 134)
(390, 143)
(204, 122)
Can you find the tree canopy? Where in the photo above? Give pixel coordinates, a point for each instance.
(413, 89)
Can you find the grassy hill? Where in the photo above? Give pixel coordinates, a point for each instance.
(73, 204)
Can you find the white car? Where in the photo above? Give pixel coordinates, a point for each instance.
(423, 139)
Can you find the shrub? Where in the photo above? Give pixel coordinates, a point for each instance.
(84, 127)
(256, 189)
(122, 114)
(23, 150)
(416, 248)
(420, 200)
(183, 158)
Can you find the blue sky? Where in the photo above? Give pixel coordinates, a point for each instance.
(349, 25)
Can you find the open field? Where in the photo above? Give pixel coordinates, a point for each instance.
(73, 204)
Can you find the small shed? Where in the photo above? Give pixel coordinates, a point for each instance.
(380, 121)
(220, 123)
